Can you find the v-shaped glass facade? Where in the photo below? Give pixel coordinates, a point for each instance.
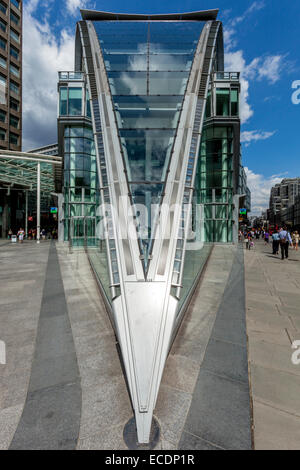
(148, 66)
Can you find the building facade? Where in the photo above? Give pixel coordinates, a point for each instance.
(10, 106)
(149, 132)
(283, 197)
(11, 74)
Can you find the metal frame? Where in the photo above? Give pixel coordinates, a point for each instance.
(145, 312)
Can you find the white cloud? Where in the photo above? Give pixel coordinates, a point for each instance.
(268, 67)
(260, 188)
(74, 5)
(250, 136)
(43, 56)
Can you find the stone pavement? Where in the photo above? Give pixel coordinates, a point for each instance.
(273, 323)
(22, 278)
(63, 386)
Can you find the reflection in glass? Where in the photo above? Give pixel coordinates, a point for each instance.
(148, 66)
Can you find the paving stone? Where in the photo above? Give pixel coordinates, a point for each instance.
(220, 412)
(284, 427)
(191, 442)
(277, 388)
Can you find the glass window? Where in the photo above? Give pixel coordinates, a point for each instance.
(134, 112)
(14, 104)
(75, 101)
(3, 7)
(14, 70)
(13, 139)
(147, 153)
(222, 102)
(14, 18)
(14, 87)
(234, 100)
(2, 134)
(3, 44)
(128, 83)
(16, 3)
(120, 62)
(88, 105)
(3, 62)
(14, 52)
(170, 62)
(14, 121)
(15, 36)
(168, 83)
(2, 115)
(2, 79)
(3, 25)
(63, 101)
(208, 106)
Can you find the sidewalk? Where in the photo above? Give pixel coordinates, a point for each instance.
(273, 323)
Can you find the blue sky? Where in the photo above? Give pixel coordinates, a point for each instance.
(262, 41)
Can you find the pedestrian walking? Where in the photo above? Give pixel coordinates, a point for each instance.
(295, 238)
(285, 241)
(267, 235)
(21, 234)
(275, 242)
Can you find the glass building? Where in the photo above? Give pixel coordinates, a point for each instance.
(149, 131)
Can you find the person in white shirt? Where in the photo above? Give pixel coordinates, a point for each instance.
(285, 241)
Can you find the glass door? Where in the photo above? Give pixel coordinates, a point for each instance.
(90, 231)
(77, 231)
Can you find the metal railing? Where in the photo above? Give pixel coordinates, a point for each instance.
(71, 76)
(227, 76)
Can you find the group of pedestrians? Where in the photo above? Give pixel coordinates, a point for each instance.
(32, 234)
(248, 236)
(281, 240)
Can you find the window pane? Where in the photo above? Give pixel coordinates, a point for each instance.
(63, 107)
(3, 8)
(14, 53)
(3, 62)
(170, 62)
(75, 101)
(14, 18)
(14, 121)
(119, 62)
(15, 36)
(222, 102)
(3, 44)
(168, 83)
(14, 70)
(13, 139)
(2, 25)
(234, 97)
(147, 153)
(16, 3)
(134, 112)
(128, 83)
(2, 134)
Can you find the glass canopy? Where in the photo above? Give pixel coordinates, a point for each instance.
(148, 66)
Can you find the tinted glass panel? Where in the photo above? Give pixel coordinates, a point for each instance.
(148, 66)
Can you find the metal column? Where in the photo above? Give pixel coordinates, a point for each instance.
(26, 214)
(38, 208)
